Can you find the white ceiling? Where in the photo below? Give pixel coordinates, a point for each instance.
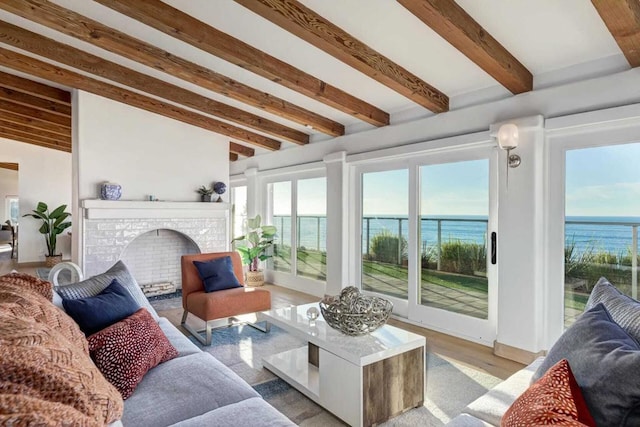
(548, 36)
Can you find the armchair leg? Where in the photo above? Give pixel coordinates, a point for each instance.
(204, 340)
(267, 327)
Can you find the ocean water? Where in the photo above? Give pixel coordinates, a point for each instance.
(610, 234)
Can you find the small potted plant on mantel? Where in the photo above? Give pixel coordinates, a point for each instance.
(205, 193)
(259, 238)
(53, 224)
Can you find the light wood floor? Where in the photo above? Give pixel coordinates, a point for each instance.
(456, 349)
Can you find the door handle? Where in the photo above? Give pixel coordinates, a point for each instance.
(494, 248)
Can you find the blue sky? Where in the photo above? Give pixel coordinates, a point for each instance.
(603, 181)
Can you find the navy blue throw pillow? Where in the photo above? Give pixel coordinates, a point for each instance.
(95, 313)
(605, 361)
(217, 274)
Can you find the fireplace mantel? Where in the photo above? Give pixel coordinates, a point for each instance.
(121, 209)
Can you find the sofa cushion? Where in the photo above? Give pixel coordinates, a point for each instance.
(252, 412)
(217, 274)
(606, 363)
(183, 388)
(177, 339)
(38, 361)
(30, 305)
(491, 406)
(625, 311)
(125, 351)
(97, 312)
(555, 399)
(94, 285)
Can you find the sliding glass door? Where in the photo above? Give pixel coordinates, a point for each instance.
(425, 237)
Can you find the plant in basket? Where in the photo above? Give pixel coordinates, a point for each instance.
(53, 224)
(259, 238)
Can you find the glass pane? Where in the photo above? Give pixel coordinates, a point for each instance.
(602, 211)
(454, 212)
(281, 214)
(239, 207)
(312, 228)
(385, 208)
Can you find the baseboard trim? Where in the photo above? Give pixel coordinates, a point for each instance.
(516, 354)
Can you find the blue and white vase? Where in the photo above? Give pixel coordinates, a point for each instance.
(110, 191)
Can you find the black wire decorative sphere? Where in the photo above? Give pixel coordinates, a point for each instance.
(219, 187)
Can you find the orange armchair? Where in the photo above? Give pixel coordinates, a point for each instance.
(220, 304)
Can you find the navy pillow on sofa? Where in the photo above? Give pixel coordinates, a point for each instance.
(217, 274)
(605, 361)
(95, 313)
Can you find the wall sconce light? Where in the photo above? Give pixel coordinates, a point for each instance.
(508, 140)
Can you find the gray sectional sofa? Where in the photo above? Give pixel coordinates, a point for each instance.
(195, 389)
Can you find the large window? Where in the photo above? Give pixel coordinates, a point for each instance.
(312, 228)
(12, 209)
(239, 209)
(298, 209)
(385, 228)
(602, 208)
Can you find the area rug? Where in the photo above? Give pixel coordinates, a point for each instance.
(450, 386)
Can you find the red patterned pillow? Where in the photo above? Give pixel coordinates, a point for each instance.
(555, 399)
(126, 350)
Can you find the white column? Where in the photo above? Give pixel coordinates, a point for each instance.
(254, 201)
(521, 205)
(337, 217)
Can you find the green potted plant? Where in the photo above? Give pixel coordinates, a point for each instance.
(53, 224)
(259, 238)
(205, 193)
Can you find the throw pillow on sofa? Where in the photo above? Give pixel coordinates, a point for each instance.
(38, 362)
(217, 274)
(125, 351)
(555, 399)
(95, 313)
(96, 284)
(624, 310)
(606, 363)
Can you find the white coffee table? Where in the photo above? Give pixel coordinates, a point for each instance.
(363, 380)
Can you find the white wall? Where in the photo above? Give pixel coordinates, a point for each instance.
(8, 187)
(44, 175)
(147, 154)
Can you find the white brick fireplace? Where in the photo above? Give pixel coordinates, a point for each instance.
(109, 227)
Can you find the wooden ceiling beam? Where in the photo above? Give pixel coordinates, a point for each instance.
(34, 102)
(54, 137)
(48, 48)
(233, 157)
(35, 67)
(182, 26)
(303, 22)
(10, 133)
(457, 27)
(36, 89)
(30, 122)
(622, 18)
(10, 166)
(241, 149)
(32, 113)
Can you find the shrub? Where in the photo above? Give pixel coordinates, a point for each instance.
(384, 247)
(463, 258)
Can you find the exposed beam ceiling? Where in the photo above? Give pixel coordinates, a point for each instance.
(622, 18)
(11, 133)
(33, 88)
(32, 101)
(457, 27)
(34, 123)
(233, 157)
(313, 28)
(32, 113)
(51, 49)
(10, 166)
(241, 149)
(190, 30)
(53, 137)
(65, 77)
